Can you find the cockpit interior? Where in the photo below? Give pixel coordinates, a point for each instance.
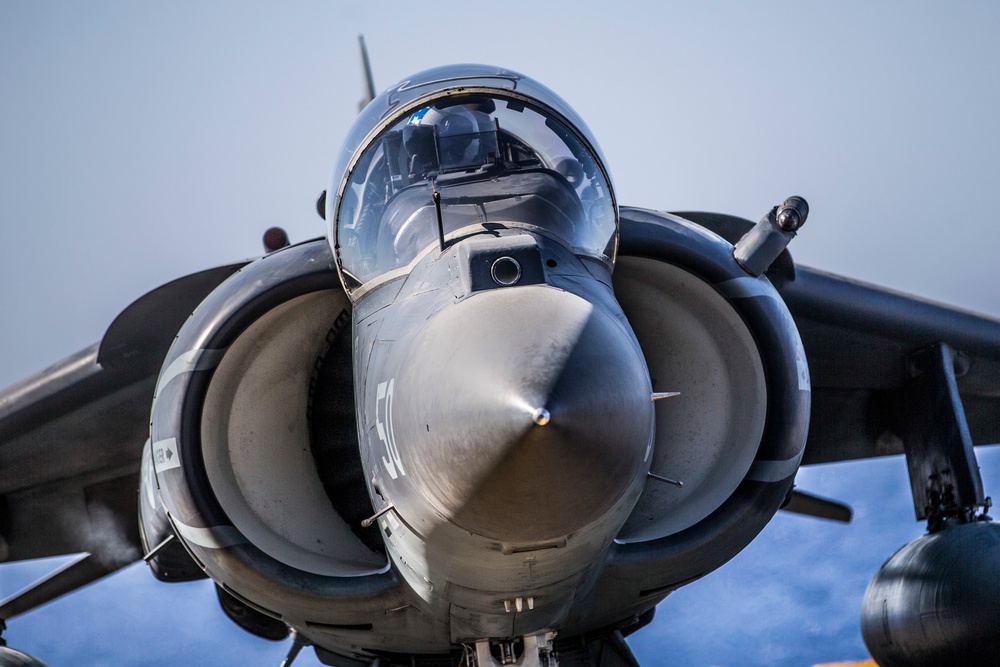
(494, 163)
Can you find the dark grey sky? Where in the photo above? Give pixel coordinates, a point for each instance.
(143, 141)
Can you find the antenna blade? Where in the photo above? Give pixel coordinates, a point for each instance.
(367, 73)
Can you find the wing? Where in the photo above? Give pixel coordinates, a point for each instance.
(71, 436)
(860, 341)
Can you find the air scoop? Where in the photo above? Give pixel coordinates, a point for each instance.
(525, 413)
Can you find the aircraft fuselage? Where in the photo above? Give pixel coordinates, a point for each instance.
(506, 429)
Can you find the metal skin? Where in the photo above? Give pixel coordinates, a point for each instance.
(431, 437)
(13, 658)
(935, 601)
(493, 510)
(506, 438)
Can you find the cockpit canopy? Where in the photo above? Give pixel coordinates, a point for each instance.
(494, 157)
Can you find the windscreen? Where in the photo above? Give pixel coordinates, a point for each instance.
(493, 162)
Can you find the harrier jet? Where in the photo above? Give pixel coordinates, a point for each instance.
(494, 417)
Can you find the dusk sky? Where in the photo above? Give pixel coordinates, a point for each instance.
(143, 141)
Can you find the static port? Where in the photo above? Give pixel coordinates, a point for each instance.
(505, 271)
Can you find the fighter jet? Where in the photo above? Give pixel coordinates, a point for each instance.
(494, 417)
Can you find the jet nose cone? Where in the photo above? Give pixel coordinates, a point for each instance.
(530, 413)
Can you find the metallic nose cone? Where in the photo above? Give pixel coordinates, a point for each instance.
(527, 414)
